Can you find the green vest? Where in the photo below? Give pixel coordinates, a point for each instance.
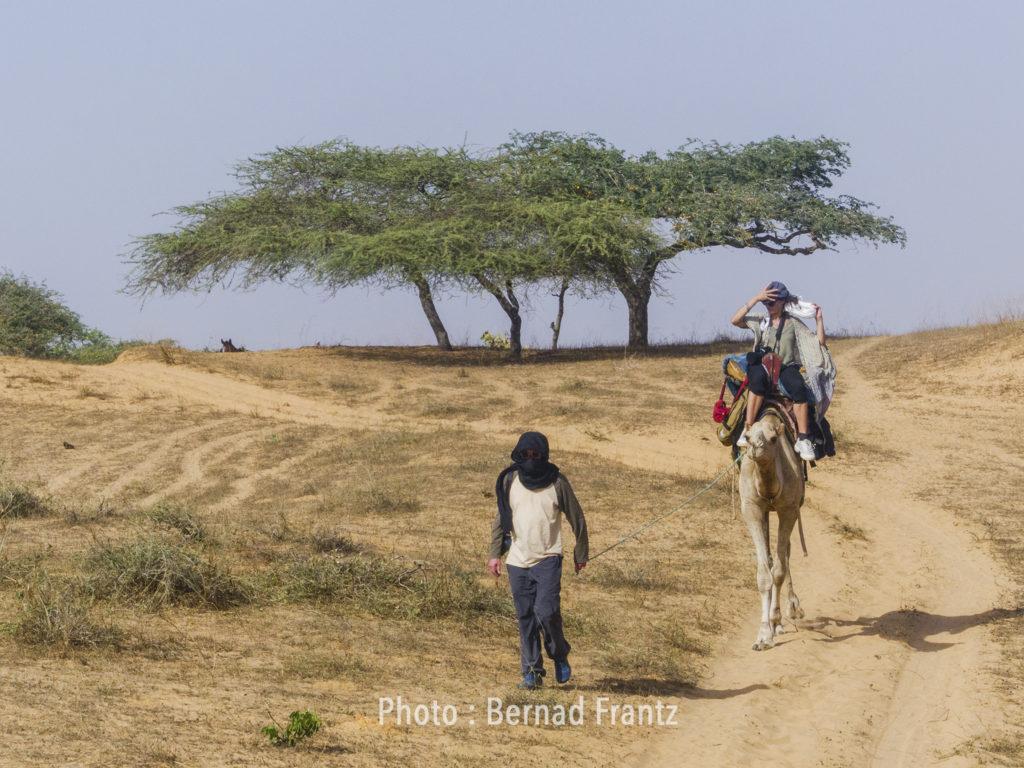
(784, 346)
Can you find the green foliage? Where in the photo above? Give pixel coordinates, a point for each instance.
(34, 322)
(494, 341)
(100, 351)
(301, 725)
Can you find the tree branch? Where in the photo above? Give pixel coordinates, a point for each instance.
(767, 237)
(509, 304)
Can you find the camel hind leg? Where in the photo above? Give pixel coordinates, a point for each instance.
(793, 609)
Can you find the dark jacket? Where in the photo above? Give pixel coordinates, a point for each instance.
(570, 506)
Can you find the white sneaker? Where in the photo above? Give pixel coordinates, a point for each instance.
(805, 448)
(742, 442)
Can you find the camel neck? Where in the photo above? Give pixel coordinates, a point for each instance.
(766, 477)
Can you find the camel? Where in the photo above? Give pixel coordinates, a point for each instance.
(771, 478)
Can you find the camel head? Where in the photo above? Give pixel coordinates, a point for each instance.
(764, 437)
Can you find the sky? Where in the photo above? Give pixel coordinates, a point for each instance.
(113, 112)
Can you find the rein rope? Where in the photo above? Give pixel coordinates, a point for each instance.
(684, 503)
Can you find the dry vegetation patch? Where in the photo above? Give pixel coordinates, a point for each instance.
(270, 564)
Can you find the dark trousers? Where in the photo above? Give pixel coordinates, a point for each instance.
(789, 377)
(536, 592)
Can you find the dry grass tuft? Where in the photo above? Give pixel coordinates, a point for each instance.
(97, 394)
(179, 518)
(89, 514)
(387, 500)
(391, 588)
(324, 540)
(59, 614)
(17, 501)
(641, 576)
(162, 572)
(847, 530)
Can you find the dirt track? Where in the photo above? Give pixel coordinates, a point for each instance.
(894, 671)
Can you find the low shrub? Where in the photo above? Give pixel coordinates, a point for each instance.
(163, 572)
(495, 340)
(301, 725)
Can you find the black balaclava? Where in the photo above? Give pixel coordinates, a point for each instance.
(533, 473)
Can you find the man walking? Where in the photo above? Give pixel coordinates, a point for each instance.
(532, 496)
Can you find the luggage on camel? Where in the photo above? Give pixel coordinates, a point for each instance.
(730, 417)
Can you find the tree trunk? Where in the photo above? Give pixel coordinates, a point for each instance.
(515, 331)
(636, 289)
(556, 327)
(510, 304)
(427, 302)
(638, 305)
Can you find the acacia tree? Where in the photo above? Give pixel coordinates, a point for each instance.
(315, 214)
(484, 236)
(768, 195)
(35, 321)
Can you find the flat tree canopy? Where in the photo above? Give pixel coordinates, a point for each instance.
(544, 207)
(769, 195)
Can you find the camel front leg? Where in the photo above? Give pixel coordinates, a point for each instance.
(780, 571)
(757, 524)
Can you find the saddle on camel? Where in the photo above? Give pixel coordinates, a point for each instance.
(790, 371)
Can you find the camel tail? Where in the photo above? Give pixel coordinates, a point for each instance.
(800, 527)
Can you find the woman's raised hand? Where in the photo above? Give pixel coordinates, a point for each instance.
(766, 295)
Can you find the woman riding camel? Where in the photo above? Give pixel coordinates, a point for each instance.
(775, 334)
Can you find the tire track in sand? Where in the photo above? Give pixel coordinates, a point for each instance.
(194, 467)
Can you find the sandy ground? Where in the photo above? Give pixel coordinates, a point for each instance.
(896, 663)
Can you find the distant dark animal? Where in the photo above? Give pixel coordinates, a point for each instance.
(68, 445)
(227, 346)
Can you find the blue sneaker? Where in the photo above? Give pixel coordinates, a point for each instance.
(531, 680)
(563, 671)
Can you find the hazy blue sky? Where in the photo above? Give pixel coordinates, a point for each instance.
(115, 111)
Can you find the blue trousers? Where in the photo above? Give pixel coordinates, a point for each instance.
(536, 592)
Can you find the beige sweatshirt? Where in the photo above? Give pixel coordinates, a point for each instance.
(537, 523)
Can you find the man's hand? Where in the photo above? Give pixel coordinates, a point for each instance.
(494, 567)
(580, 567)
(817, 313)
